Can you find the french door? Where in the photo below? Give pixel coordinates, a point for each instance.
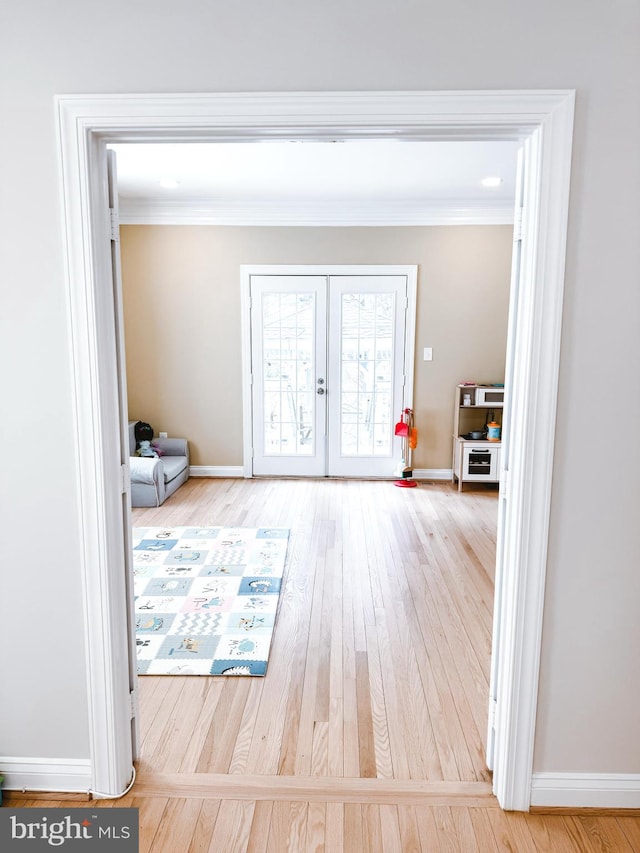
(329, 370)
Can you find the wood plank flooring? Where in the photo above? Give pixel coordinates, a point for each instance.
(367, 735)
(380, 659)
(178, 824)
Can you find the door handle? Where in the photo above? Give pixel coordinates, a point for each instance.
(320, 391)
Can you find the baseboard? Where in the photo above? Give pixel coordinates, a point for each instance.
(432, 474)
(46, 774)
(216, 471)
(238, 471)
(586, 790)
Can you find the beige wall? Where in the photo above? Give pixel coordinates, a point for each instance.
(182, 319)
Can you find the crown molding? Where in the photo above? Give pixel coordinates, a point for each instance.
(206, 212)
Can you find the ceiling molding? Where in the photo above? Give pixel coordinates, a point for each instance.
(347, 213)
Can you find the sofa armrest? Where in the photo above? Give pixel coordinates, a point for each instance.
(146, 469)
(172, 446)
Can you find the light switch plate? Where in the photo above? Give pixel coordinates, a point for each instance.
(428, 353)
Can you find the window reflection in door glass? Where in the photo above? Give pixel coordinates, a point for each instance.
(366, 329)
(288, 373)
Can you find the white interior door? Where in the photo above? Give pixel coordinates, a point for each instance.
(505, 452)
(112, 180)
(328, 371)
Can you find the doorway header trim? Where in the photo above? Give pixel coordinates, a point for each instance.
(261, 116)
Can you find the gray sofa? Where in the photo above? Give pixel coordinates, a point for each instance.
(154, 479)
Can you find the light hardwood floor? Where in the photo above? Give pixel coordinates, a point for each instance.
(380, 658)
(368, 731)
(170, 824)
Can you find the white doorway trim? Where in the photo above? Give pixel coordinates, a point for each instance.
(247, 270)
(86, 124)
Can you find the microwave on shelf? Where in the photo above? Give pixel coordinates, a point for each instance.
(488, 395)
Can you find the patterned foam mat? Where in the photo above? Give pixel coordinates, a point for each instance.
(206, 598)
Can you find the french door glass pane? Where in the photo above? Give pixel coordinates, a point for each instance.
(288, 373)
(366, 372)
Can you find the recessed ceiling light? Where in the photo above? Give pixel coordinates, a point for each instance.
(169, 183)
(491, 182)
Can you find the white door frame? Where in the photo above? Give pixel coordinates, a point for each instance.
(247, 270)
(86, 123)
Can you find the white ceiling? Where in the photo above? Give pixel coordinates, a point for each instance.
(305, 183)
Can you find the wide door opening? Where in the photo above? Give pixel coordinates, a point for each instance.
(85, 124)
(329, 356)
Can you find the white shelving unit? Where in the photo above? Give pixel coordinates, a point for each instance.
(476, 460)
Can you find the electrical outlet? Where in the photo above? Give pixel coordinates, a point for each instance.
(162, 435)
